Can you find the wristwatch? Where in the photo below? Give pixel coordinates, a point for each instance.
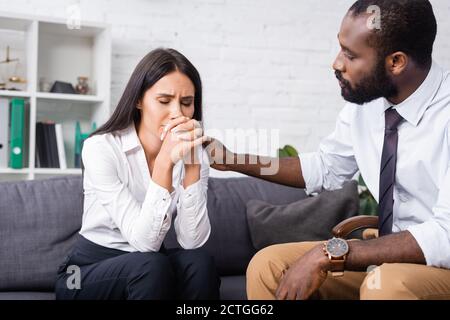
(337, 250)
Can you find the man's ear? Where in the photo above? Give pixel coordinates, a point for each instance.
(397, 63)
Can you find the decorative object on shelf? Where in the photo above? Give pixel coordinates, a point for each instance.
(12, 76)
(16, 79)
(44, 85)
(79, 140)
(8, 59)
(62, 87)
(82, 87)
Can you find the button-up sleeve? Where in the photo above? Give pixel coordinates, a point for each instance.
(335, 162)
(433, 236)
(192, 224)
(143, 225)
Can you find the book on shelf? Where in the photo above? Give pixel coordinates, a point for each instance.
(50, 152)
(52, 145)
(16, 137)
(26, 134)
(4, 132)
(79, 141)
(60, 144)
(14, 133)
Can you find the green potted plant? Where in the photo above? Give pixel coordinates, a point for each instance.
(287, 151)
(367, 203)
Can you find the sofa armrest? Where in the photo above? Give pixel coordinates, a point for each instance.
(343, 229)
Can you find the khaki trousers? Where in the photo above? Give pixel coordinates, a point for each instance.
(390, 281)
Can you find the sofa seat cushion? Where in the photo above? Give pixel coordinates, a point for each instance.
(39, 221)
(229, 242)
(233, 288)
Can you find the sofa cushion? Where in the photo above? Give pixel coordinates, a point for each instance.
(230, 241)
(39, 221)
(233, 288)
(310, 219)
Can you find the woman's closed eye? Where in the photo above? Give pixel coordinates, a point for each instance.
(164, 101)
(186, 103)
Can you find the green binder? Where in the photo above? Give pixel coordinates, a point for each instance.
(79, 140)
(17, 123)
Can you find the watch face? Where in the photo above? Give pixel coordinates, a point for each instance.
(337, 247)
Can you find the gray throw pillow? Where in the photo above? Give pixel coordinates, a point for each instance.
(310, 219)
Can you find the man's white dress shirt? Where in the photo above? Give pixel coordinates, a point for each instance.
(422, 182)
(124, 209)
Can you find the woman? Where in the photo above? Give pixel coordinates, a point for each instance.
(141, 165)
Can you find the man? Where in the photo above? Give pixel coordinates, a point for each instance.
(395, 130)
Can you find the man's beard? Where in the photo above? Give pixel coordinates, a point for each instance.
(375, 85)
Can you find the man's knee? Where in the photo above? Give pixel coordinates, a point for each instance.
(387, 282)
(266, 262)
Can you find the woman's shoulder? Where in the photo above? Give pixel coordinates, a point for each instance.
(99, 141)
(105, 143)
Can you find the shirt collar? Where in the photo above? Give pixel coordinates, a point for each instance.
(414, 107)
(130, 139)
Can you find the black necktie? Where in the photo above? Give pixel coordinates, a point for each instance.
(387, 171)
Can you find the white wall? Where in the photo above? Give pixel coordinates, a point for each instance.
(265, 64)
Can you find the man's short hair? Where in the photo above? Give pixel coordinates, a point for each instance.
(406, 25)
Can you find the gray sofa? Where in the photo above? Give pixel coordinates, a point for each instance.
(40, 220)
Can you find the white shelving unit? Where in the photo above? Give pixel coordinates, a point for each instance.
(48, 49)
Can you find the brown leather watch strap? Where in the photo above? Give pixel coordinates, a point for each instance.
(337, 265)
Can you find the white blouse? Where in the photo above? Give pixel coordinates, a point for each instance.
(124, 209)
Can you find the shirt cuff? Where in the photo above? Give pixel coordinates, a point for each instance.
(158, 193)
(190, 194)
(433, 241)
(160, 198)
(310, 164)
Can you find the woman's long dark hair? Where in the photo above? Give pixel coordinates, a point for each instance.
(154, 66)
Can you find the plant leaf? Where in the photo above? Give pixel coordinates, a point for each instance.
(361, 181)
(291, 151)
(282, 153)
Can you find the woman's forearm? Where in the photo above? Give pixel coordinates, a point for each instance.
(192, 174)
(162, 173)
